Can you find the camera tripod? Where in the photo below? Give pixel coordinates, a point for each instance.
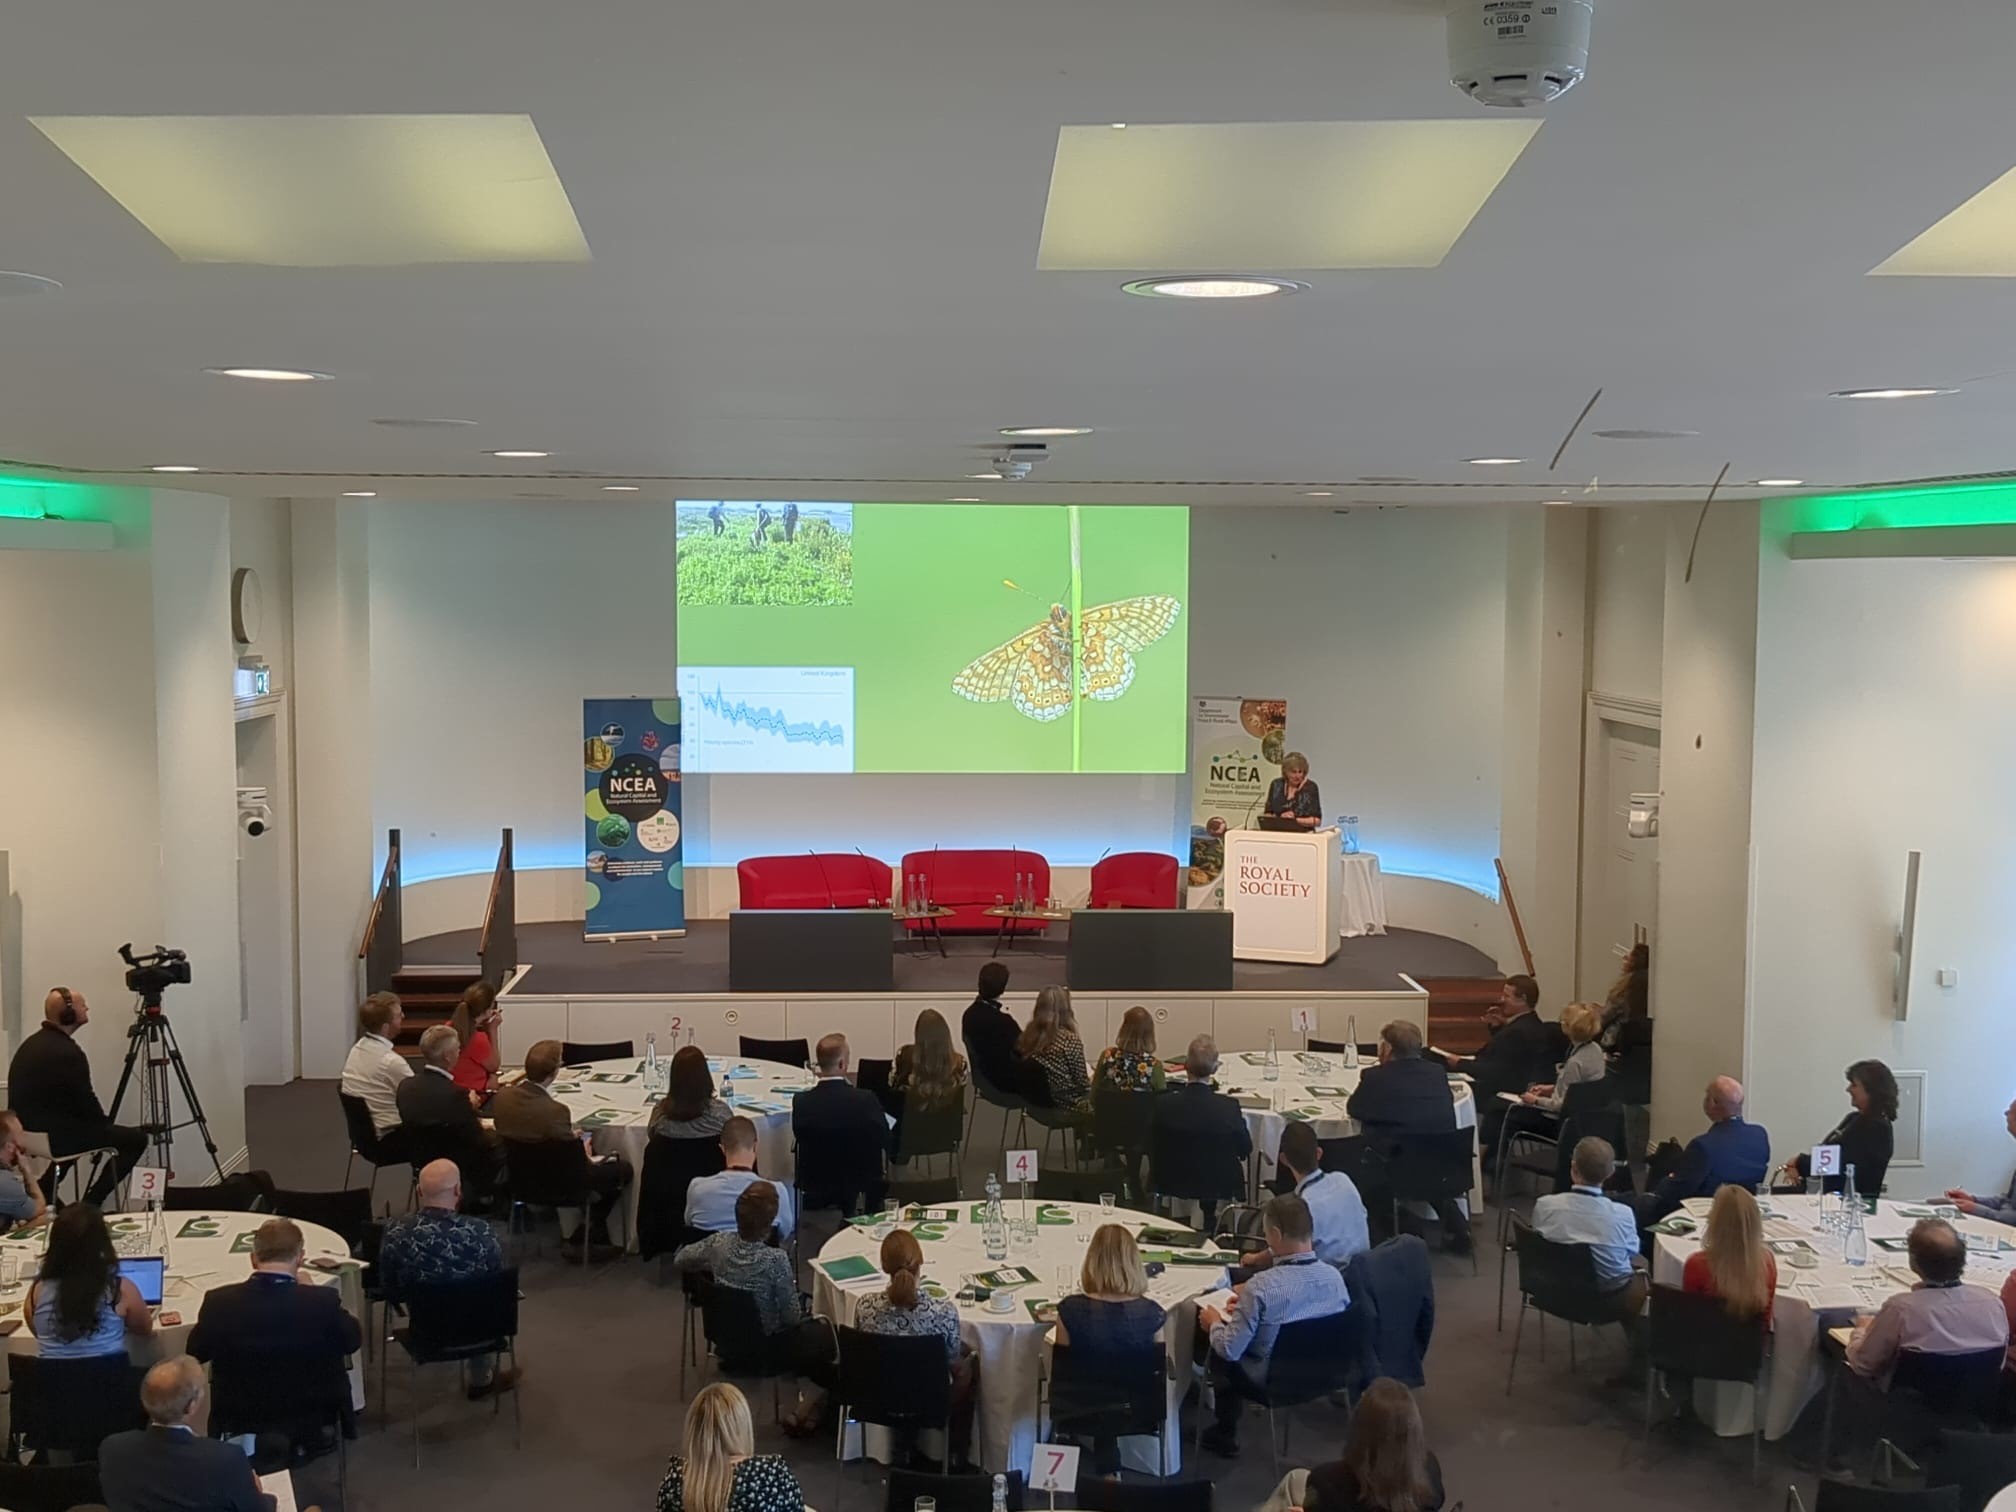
(152, 1039)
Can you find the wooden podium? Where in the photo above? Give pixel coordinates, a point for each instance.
(1283, 892)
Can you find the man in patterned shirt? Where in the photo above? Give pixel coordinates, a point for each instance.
(438, 1244)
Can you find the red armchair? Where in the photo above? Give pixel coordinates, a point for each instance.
(1135, 879)
(969, 882)
(841, 879)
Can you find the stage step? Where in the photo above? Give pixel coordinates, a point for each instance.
(428, 994)
(1456, 1010)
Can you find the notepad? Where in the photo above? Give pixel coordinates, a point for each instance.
(848, 1268)
(1005, 1276)
(1203, 1257)
(1328, 1092)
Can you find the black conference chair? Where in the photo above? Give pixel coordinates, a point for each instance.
(1432, 1168)
(952, 1493)
(1310, 1359)
(1107, 1396)
(1979, 1464)
(72, 1406)
(452, 1323)
(871, 1074)
(1011, 1104)
(896, 1382)
(670, 1167)
(1533, 1142)
(547, 1173)
(1096, 1494)
(1194, 1167)
(1555, 1281)
(734, 1327)
(581, 1052)
(924, 1134)
(1694, 1335)
(295, 1397)
(788, 1052)
(49, 1488)
(346, 1213)
(379, 1150)
(1930, 1392)
(1076, 1186)
(1842, 1496)
(842, 1172)
(1122, 1127)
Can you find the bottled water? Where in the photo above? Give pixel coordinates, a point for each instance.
(993, 1224)
(1350, 828)
(1351, 1043)
(651, 1063)
(1854, 1240)
(1000, 1493)
(1273, 1070)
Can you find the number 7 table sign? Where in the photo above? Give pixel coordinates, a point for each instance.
(1054, 1468)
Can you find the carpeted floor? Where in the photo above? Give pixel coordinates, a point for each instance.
(602, 1410)
(561, 962)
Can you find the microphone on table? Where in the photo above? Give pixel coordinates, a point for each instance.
(872, 900)
(820, 862)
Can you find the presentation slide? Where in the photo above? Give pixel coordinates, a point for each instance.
(822, 637)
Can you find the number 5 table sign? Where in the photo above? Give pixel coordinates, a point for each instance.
(1826, 1160)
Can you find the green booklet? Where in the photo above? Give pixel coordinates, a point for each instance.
(848, 1268)
(1041, 1310)
(618, 1077)
(1049, 1215)
(1007, 1275)
(1301, 1115)
(915, 1214)
(598, 1118)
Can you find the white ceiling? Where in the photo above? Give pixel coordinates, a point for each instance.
(814, 230)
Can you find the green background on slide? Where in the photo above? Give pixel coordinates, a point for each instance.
(928, 598)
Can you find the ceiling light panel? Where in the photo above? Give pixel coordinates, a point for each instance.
(1271, 195)
(313, 191)
(1976, 241)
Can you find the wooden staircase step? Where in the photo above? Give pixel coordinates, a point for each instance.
(428, 995)
(1456, 1010)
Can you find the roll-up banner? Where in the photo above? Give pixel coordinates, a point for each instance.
(1236, 745)
(635, 880)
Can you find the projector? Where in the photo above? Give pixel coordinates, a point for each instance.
(1514, 53)
(1015, 462)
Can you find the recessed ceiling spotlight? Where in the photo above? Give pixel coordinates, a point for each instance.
(1494, 461)
(968, 499)
(173, 467)
(1643, 435)
(1317, 493)
(270, 375)
(360, 493)
(988, 477)
(401, 422)
(26, 283)
(515, 456)
(1781, 482)
(619, 488)
(1890, 393)
(1213, 286)
(1046, 430)
(1119, 125)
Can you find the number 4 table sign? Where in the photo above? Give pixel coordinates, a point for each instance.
(1054, 1468)
(1021, 1166)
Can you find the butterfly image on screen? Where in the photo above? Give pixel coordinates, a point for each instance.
(1033, 671)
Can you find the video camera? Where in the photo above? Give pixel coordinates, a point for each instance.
(151, 975)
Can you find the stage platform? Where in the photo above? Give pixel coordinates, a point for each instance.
(570, 989)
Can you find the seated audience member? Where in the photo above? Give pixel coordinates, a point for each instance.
(904, 1309)
(1730, 1153)
(1296, 1286)
(1585, 1215)
(437, 1117)
(1404, 1093)
(1733, 1263)
(79, 1306)
(745, 1260)
(2002, 1209)
(1111, 1318)
(1523, 1047)
(1940, 1315)
(528, 1112)
(929, 1074)
(1867, 1136)
(438, 1244)
(272, 1311)
(1586, 1061)
(1386, 1465)
(478, 1019)
(1130, 1063)
(718, 1468)
(375, 1068)
(21, 1202)
(1336, 1211)
(689, 1109)
(991, 1033)
(710, 1200)
(1209, 1124)
(1051, 1043)
(50, 1083)
(172, 1465)
(1628, 1003)
(833, 1109)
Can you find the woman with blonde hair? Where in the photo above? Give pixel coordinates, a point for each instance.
(906, 1309)
(1130, 1064)
(929, 1073)
(1733, 1263)
(720, 1470)
(1581, 1022)
(1051, 1041)
(1110, 1323)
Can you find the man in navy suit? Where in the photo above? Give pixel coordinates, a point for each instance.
(170, 1465)
(842, 1134)
(1730, 1153)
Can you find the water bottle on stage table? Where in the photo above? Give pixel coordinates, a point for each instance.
(1000, 1493)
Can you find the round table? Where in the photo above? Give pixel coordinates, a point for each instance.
(204, 1251)
(1312, 1089)
(1011, 1345)
(1827, 1295)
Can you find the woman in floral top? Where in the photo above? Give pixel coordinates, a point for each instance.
(905, 1309)
(1052, 1042)
(720, 1470)
(1130, 1063)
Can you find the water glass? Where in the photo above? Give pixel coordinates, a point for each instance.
(1025, 1231)
(1067, 1282)
(924, 1504)
(892, 1213)
(1107, 1202)
(1082, 1226)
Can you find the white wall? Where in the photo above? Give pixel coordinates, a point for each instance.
(1627, 599)
(1884, 725)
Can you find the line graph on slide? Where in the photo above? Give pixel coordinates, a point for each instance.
(767, 719)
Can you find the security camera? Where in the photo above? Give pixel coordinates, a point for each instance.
(255, 814)
(253, 823)
(1014, 462)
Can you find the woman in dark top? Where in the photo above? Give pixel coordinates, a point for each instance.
(1111, 1320)
(1292, 795)
(689, 1109)
(1386, 1465)
(1867, 1136)
(1629, 1000)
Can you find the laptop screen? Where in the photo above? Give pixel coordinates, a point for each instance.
(148, 1273)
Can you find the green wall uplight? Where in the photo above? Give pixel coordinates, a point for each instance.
(41, 499)
(1987, 503)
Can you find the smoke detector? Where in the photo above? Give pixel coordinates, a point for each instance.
(1514, 53)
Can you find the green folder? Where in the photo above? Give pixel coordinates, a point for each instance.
(848, 1268)
(1048, 1215)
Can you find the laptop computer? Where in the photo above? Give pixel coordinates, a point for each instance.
(1279, 822)
(149, 1275)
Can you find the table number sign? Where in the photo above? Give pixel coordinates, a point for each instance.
(1021, 1165)
(1826, 1160)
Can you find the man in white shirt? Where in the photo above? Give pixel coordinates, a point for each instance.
(374, 1068)
(1335, 1208)
(710, 1200)
(1585, 1215)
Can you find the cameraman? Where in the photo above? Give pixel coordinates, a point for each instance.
(50, 1087)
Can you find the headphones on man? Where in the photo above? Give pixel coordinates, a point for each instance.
(68, 1017)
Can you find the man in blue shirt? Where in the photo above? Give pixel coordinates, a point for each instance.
(1999, 1209)
(1585, 1215)
(436, 1245)
(1295, 1286)
(710, 1200)
(1336, 1211)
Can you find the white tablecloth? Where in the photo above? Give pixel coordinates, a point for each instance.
(1364, 895)
(1828, 1294)
(205, 1251)
(609, 1101)
(1011, 1346)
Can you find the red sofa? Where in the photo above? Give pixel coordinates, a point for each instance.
(1135, 879)
(970, 882)
(839, 879)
